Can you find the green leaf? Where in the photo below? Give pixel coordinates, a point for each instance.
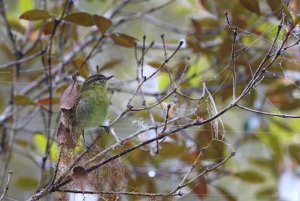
(26, 182)
(227, 194)
(40, 139)
(275, 145)
(297, 20)
(261, 162)
(80, 18)
(251, 5)
(168, 149)
(35, 14)
(163, 81)
(123, 39)
(266, 193)
(102, 23)
(287, 12)
(25, 5)
(23, 100)
(250, 176)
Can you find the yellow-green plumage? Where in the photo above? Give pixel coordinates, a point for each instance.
(92, 104)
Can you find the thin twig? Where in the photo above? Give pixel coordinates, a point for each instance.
(268, 113)
(235, 33)
(6, 186)
(23, 60)
(188, 172)
(141, 194)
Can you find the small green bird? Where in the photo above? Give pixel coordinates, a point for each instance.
(84, 109)
(92, 104)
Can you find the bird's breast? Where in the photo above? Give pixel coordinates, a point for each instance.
(91, 109)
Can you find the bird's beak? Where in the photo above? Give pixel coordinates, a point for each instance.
(108, 78)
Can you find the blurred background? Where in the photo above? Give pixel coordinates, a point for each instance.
(267, 148)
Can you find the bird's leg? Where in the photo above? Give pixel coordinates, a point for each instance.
(86, 145)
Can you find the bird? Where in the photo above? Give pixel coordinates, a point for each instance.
(92, 104)
(90, 110)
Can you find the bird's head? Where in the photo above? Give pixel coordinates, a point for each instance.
(96, 81)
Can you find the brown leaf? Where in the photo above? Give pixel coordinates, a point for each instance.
(48, 101)
(68, 98)
(201, 188)
(109, 65)
(123, 39)
(251, 5)
(80, 177)
(158, 64)
(49, 26)
(102, 23)
(80, 18)
(294, 151)
(64, 137)
(155, 64)
(35, 14)
(84, 70)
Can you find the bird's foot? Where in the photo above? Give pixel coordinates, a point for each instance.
(85, 142)
(106, 128)
(87, 146)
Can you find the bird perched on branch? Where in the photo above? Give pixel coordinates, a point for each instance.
(86, 109)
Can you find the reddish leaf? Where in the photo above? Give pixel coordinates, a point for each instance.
(80, 18)
(35, 14)
(123, 39)
(48, 29)
(48, 101)
(201, 188)
(80, 177)
(64, 137)
(279, 98)
(68, 98)
(102, 23)
(251, 5)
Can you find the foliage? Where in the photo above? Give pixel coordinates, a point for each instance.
(203, 103)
